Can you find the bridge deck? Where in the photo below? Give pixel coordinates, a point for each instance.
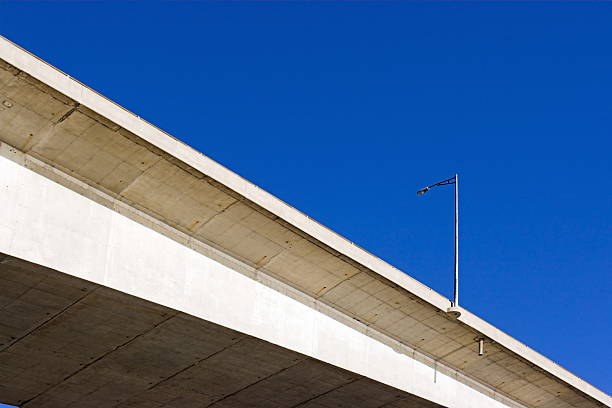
(51, 117)
(67, 342)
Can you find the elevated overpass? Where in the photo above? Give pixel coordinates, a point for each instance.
(137, 272)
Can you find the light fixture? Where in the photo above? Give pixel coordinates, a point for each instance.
(453, 311)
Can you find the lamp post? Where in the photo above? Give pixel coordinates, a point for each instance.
(454, 309)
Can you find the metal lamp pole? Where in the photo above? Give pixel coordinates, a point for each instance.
(456, 289)
(453, 180)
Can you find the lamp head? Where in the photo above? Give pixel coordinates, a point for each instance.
(423, 191)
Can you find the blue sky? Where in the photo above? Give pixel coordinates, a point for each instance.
(344, 110)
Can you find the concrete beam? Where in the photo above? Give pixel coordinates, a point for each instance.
(50, 116)
(66, 342)
(58, 327)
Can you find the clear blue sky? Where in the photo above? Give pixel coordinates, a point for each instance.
(344, 110)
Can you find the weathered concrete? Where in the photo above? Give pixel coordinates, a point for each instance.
(134, 169)
(51, 225)
(67, 342)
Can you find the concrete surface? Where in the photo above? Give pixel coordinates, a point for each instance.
(65, 342)
(129, 166)
(51, 225)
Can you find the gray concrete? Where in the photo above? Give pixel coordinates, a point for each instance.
(60, 129)
(104, 241)
(65, 342)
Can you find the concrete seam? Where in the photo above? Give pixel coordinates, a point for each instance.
(19, 297)
(326, 392)
(67, 114)
(216, 215)
(49, 320)
(182, 370)
(256, 382)
(120, 346)
(335, 286)
(260, 269)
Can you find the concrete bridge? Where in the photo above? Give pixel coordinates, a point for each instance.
(137, 272)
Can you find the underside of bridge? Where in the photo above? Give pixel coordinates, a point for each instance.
(66, 342)
(77, 170)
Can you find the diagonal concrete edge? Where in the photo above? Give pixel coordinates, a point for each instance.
(85, 96)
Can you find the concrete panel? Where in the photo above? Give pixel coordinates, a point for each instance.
(94, 347)
(103, 154)
(196, 202)
(60, 229)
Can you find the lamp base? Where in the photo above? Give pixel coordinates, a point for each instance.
(454, 312)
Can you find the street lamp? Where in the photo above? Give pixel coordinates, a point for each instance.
(454, 309)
